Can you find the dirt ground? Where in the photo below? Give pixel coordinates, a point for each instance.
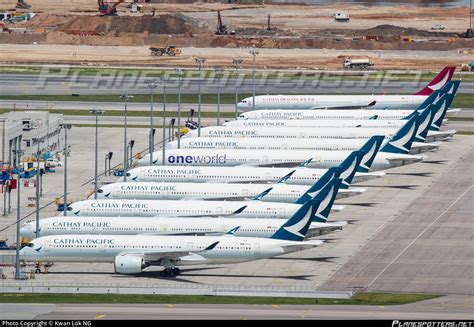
(267, 58)
(300, 36)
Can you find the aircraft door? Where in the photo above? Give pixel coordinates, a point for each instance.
(47, 246)
(190, 246)
(256, 248)
(102, 248)
(219, 210)
(281, 213)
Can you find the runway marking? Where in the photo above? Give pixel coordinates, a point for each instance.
(100, 316)
(170, 305)
(419, 235)
(382, 307)
(275, 306)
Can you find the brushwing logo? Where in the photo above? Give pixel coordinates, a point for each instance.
(367, 157)
(423, 126)
(346, 173)
(441, 83)
(401, 142)
(438, 115)
(324, 205)
(38, 249)
(296, 228)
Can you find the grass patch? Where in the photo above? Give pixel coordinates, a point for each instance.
(461, 118)
(359, 299)
(463, 100)
(157, 114)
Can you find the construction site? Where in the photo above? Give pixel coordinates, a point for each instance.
(295, 35)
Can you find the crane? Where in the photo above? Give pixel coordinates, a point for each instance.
(107, 10)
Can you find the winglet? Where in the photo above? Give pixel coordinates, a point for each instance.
(305, 163)
(285, 178)
(264, 193)
(212, 246)
(372, 104)
(236, 212)
(232, 231)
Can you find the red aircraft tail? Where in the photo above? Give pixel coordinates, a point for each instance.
(438, 82)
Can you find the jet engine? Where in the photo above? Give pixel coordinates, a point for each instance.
(129, 264)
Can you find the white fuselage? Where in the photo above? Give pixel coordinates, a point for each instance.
(242, 143)
(233, 158)
(272, 133)
(105, 248)
(318, 123)
(61, 225)
(205, 174)
(207, 191)
(181, 208)
(295, 102)
(361, 114)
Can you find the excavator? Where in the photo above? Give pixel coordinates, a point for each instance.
(221, 28)
(105, 9)
(21, 4)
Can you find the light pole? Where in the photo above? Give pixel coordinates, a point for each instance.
(163, 80)
(254, 53)
(66, 127)
(125, 98)
(18, 153)
(180, 73)
(151, 86)
(38, 141)
(219, 71)
(171, 129)
(199, 61)
(236, 63)
(96, 112)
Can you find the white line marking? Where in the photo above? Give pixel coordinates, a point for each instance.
(419, 235)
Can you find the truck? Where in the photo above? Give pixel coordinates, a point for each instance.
(349, 63)
(342, 17)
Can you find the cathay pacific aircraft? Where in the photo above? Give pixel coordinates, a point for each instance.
(61, 225)
(240, 174)
(393, 154)
(370, 114)
(403, 102)
(132, 253)
(425, 118)
(278, 192)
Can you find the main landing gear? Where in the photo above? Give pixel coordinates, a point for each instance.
(170, 272)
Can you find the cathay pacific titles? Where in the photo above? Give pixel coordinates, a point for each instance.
(82, 241)
(106, 205)
(235, 133)
(84, 224)
(127, 187)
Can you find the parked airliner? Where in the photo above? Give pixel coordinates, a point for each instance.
(281, 114)
(278, 192)
(205, 174)
(60, 225)
(132, 253)
(404, 102)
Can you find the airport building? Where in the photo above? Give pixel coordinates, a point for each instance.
(23, 130)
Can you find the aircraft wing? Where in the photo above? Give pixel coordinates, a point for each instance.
(283, 164)
(345, 107)
(299, 246)
(155, 255)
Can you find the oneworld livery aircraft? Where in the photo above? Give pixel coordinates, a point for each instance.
(403, 102)
(278, 192)
(133, 253)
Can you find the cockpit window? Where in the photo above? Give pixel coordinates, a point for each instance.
(244, 101)
(128, 175)
(100, 191)
(30, 245)
(69, 208)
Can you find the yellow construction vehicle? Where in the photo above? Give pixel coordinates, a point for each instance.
(169, 50)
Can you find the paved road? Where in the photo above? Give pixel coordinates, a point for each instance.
(18, 84)
(448, 308)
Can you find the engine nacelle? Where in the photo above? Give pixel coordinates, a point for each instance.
(129, 264)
